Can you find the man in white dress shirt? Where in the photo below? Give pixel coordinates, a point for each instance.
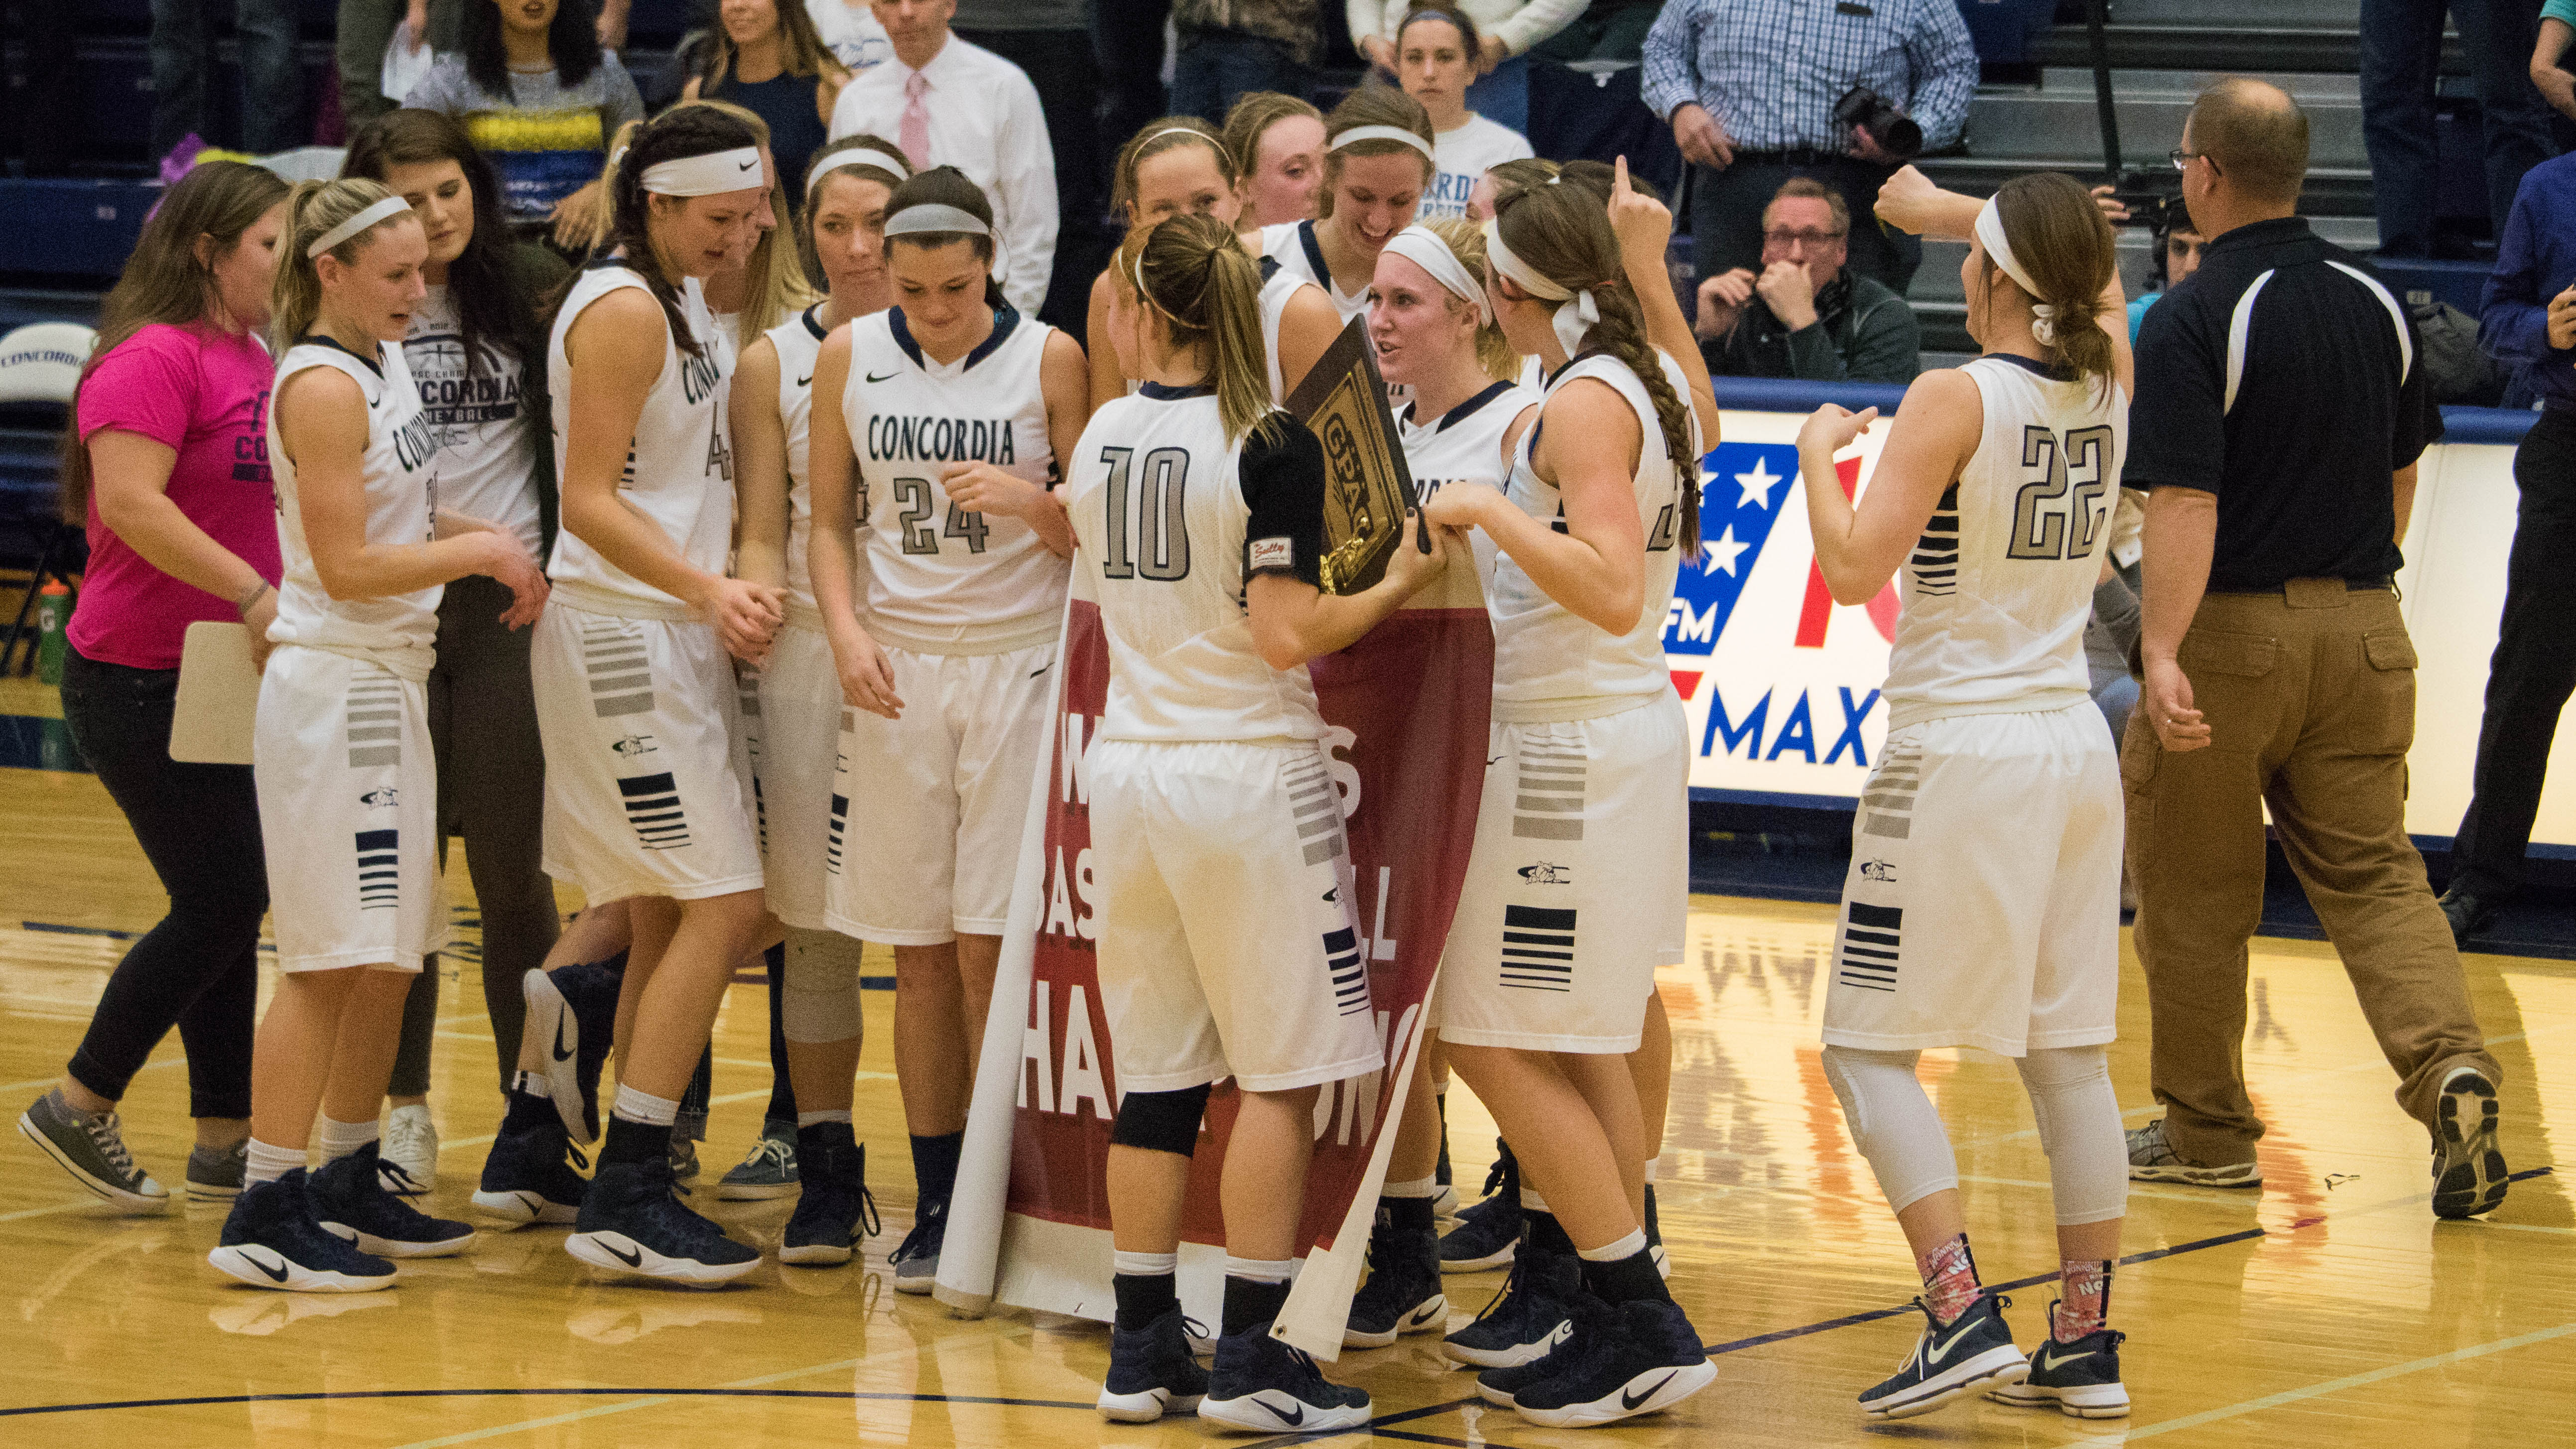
(950, 103)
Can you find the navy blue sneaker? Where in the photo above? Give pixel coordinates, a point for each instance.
(1151, 1372)
(1267, 1387)
(1527, 1317)
(835, 1209)
(271, 1240)
(572, 1016)
(1638, 1357)
(632, 1223)
(1501, 1386)
(1970, 1354)
(1487, 1233)
(2081, 1378)
(915, 1260)
(529, 1176)
(1655, 1236)
(1402, 1294)
(350, 1200)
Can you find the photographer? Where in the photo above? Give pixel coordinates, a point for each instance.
(1759, 91)
(1804, 315)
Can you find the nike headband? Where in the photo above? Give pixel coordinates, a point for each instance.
(711, 174)
(1380, 133)
(390, 206)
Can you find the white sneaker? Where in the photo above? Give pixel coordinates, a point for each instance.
(408, 1160)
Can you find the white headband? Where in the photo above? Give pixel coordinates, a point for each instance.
(1990, 231)
(914, 220)
(712, 174)
(1428, 250)
(1191, 132)
(1379, 133)
(854, 156)
(389, 206)
(1579, 311)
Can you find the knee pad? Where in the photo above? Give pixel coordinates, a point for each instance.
(2080, 1130)
(819, 990)
(1892, 1122)
(1161, 1121)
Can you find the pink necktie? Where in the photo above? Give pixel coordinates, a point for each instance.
(914, 136)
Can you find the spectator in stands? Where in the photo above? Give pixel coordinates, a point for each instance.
(539, 97)
(1127, 39)
(2277, 432)
(167, 465)
(2178, 249)
(1499, 41)
(1613, 30)
(2528, 319)
(1750, 86)
(950, 102)
(849, 29)
(1804, 315)
(1230, 47)
(363, 32)
(1435, 58)
(2401, 60)
(767, 59)
(1050, 41)
(183, 57)
(1277, 143)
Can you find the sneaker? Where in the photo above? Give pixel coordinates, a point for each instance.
(350, 1199)
(684, 1160)
(1402, 1294)
(1970, 1354)
(410, 1152)
(631, 1223)
(767, 1171)
(1501, 1386)
(2468, 1171)
(2152, 1159)
(271, 1240)
(1639, 1357)
(1527, 1318)
(1444, 1204)
(1151, 1373)
(2466, 913)
(836, 1209)
(1487, 1233)
(1655, 1237)
(1267, 1387)
(2081, 1378)
(572, 1020)
(216, 1174)
(91, 1147)
(916, 1259)
(528, 1176)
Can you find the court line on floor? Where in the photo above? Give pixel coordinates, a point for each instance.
(2355, 1381)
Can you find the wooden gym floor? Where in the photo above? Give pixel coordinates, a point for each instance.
(2329, 1307)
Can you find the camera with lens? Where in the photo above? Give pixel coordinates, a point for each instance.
(1866, 111)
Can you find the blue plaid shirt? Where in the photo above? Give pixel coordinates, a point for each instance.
(1771, 70)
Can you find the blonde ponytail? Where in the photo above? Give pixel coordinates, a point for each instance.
(312, 208)
(2061, 239)
(1196, 274)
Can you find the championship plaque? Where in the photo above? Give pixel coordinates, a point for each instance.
(1366, 486)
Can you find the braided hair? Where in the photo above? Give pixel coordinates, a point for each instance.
(674, 136)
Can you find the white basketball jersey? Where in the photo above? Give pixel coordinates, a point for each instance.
(1294, 246)
(1464, 444)
(679, 469)
(1998, 591)
(799, 341)
(1548, 663)
(1278, 284)
(943, 579)
(1158, 504)
(398, 631)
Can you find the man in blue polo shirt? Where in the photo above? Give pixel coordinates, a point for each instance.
(2282, 404)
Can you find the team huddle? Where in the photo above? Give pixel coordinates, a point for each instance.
(792, 670)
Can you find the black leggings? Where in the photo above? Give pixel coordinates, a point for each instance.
(199, 826)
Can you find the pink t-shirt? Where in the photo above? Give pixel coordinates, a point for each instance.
(204, 393)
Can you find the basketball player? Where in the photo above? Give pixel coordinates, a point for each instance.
(1227, 945)
(1577, 889)
(1179, 165)
(1435, 334)
(1377, 164)
(1277, 143)
(1983, 904)
(954, 411)
(341, 757)
(648, 796)
(799, 690)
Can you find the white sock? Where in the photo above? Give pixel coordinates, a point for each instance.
(644, 1107)
(1419, 1187)
(808, 1119)
(530, 1083)
(1531, 1201)
(268, 1164)
(1255, 1270)
(1144, 1265)
(1627, 1247)
(1650, 1169)
(339, 1139)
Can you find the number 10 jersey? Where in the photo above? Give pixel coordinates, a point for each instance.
(943, 579)
(1998, 590)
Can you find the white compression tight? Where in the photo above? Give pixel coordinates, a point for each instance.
(1893, 1124)
(821, 999)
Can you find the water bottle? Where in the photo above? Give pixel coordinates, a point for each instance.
(53, 616)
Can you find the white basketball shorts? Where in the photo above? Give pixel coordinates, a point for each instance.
(348, 813)
(1983, 903)
(796, 744)
(1227, 944)
(648, 769)
(1579, 885)
(937, 800)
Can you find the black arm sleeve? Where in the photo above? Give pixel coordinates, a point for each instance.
(1282, 477)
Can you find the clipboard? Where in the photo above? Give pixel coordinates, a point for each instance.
(218, 696)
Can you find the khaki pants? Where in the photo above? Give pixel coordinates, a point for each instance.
(2310, 697)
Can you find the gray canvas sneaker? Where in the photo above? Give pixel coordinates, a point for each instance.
(92, 1149)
